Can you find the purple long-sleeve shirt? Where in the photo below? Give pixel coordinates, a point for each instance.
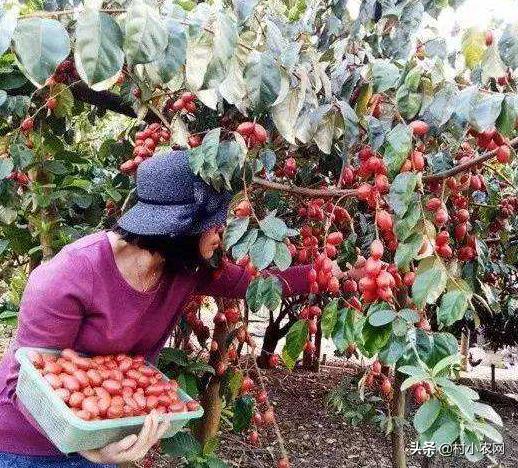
(80, 300)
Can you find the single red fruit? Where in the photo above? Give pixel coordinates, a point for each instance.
(409, 278)
(417, 160)
(489, 38)
(442, 238)
(503, 154)
(273, 361)
(377, 249)
(441, 216)
(420, 394)
(269, 416)
(350, 286)
(262, 397)
(335, 238)
(433, 204)
(376, 367)
(253, 438)
(384, 220)
(243, 209)
(283, 463)
(194, 141)
(27, 125)
(386, 387)
(245, 128)
(51, 103)
(247, 385)
(419, 127)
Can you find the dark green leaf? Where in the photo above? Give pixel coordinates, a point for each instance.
(262, 252)
(430, 281)
(401, 192)
(329, 318)
(98, 48)
(242, 247)
(453, 307)
(274, 227)
(234, 231)
(461, 399)
(263, 80)
(385, 75)
(375, 338)
(508, 46)
(408, 250)
(397, 147)
(174, 56)
(381, 317)
(404, 226)
(408, 102)
(189, 384)
(243, 410)
(264, 291)
(40, 45)
(392, 352)
(509, 116)
(485, 109)
(409, 315)
(182, 444)
(295, 341)
(8, 20)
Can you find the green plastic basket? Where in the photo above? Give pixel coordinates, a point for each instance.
(68, 432)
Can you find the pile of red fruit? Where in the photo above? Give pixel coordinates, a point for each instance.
(109, 387)
(146, 142)
(253, 133)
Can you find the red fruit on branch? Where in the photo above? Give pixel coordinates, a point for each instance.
(243, 209)
(376, 368)
(220, 318)
(283, 463)
(221, 368)
(419, 127)
(462, 216)
(433, 204)
(194, 141)
(409, 278)
(420, 394)
(384, 220)
(309, 347)
(382, 183)
(232, 315)
(290, 167)
(441, 217)
(262, 397)
(489, 38)
(27, 124)
(136, 92)
(503, 154)
(253, 438)
(128, 167)
(247, 385)
(386, 387)
(417, 160)
(335, 238)
(445, 251)
(376, 249)
(312, 327)
(442, 238)
(269, 416)
(51, 103)
(350, 286)
(460, 231)
(258, 419)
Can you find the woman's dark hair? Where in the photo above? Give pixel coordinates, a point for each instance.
(181, 254)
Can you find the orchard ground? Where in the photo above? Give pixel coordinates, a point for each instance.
(316, 438)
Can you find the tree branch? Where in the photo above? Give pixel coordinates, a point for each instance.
(102, 99)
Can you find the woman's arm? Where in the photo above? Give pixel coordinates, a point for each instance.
(233, 281)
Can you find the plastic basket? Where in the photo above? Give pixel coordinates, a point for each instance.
(68, 432)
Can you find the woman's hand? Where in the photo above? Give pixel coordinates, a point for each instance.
(131, 448)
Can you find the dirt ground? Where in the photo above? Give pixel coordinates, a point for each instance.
(316, 438)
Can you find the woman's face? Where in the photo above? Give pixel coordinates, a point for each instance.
(210, 241)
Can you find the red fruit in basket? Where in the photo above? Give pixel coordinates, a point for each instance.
(68, 367)
(101, 392)
(147, 371)
(178, 407)
(125, 365)
(112, 386)
(115, 412)
(129, 383)
(129, 401)
(90, 404)
(152, 402)
(63, 393)
(94, 377)
(192, 405)
(140, 400)
(69, 354)
(154, 390)
(116, 374)
(88, 392)
(75, 400)
(82, 378)
(71, 383)
(82, 363)
(36, 359)
(143, 381)
(103, 404)
(117, 400)
(52, 368)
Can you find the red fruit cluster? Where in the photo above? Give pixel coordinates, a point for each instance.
(146, 142)
(27, 125)
(65, 73)
(253, 133)
(19, 177)
(441, 213)
(317, 209)
(194, 141)
(184, 103)
(377, 378)
(422, 392)
(321, 277)
(109, 387)
(507, 208)
(490, 140)
(377, 278)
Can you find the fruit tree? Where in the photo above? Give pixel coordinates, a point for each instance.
(368, 140)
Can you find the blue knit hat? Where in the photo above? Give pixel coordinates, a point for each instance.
(172, 200)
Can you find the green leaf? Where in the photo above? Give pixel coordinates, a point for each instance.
(446, 434)
(375, 338)
(6, 167)
(401, 192)
(397, 146)
(40, 45)
(145, 36)
(3, 245)
(408, 250)
(98, 49)
(492, 65)
(444, 344)
(507, 119)
(189, 384)
(414, 371)
(329, 318)
(508, 46)
(426, 415)
(409, 315)
(203, 159)
(282, 256)
(274, 227)
(393, 351)
(210, 445)
(199, 53)
(348, 329)
(262, 252)
(487, 412)
(243, 410)
(385, 75)
(173, 355)
(235, 380)
(182, 444)
(381, 317)
(453, 307)
(485, 109)
(444, 363)
(242, 247)
(350, 123)
(404, 226)
(473, 47)
(22, 156)
(65, 100)
(264, 291)
(295, 341)
(234, 231)
(262, 79)
(7, 215)
(430, 281)
(175, 54)
(8, 20)
(461, 399)
(408, 102)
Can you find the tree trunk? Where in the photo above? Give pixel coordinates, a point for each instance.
(318, 350)
(397, 410)
(271, 338)
(464, 351)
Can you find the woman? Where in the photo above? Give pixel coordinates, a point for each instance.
(122, 291)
